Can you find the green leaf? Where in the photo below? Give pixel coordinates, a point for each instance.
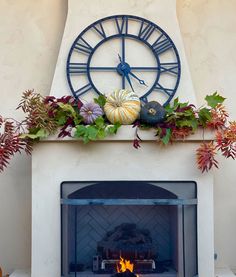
(89, 132)
(80, 131)
(78, 120)
(165, 140)
(99, 122)
(176, 103)
(184, 123)
(61, 119)
(41, 133)
(214, 99)
(31, 136)
(113, 129)
(101, 134)
(169, 109)
(192, 123)
(66, 108)
(92, 132)
(183, 105)
(189, 113)
(204, 116)
(86, 139)
(101, 100)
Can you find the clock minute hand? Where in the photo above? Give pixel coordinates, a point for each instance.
(126, 73)
(141, 82)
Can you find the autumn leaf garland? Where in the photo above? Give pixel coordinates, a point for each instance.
(70, 117)
(183, 119)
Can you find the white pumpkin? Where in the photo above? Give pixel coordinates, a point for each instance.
(122, 106)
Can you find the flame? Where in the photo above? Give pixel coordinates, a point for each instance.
(124, 265)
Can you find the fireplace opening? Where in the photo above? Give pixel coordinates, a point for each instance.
(150, 227)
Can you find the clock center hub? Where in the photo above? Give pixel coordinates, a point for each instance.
(123, 68)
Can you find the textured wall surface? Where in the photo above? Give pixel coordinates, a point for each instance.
(209, 32)
(30, 34)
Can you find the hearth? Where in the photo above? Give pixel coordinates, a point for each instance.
(152, 225)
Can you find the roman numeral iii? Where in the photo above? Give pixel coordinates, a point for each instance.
(77, 68)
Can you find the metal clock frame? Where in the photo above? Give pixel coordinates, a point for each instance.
(157, 48)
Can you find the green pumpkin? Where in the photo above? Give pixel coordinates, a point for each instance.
(152, 113)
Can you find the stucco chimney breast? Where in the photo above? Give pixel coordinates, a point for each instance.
(56, 161)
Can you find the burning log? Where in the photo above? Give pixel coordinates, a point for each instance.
(127, 273)
(128, 241)
(125, 269)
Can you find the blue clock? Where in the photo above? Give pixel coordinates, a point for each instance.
(124, 51)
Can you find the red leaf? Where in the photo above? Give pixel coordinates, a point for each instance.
(206, 156)
(136, 143)
(10, 142)
(79, 104)
(181, 133)
(226, 141)
(218, 117)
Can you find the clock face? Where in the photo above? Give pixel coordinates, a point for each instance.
(127, 52)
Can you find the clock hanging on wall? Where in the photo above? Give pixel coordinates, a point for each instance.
(124, 51)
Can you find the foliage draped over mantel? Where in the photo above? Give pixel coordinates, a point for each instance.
(70, 117)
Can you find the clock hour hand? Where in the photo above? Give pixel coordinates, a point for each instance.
(141, 82)
(120, 58)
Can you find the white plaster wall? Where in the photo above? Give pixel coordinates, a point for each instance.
(30, 34)
(162, 12)
(209, 31)
(75, 161)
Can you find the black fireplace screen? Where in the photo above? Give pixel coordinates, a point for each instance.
(151, 224)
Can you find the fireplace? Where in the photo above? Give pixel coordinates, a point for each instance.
(100, 165)
(153, 224)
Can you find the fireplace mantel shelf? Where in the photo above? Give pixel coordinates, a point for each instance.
(127, 133)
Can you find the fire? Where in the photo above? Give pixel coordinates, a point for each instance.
(124, 265)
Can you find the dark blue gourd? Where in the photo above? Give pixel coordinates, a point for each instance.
(152, 113)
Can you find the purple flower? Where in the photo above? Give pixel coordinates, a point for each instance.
(90, 111)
